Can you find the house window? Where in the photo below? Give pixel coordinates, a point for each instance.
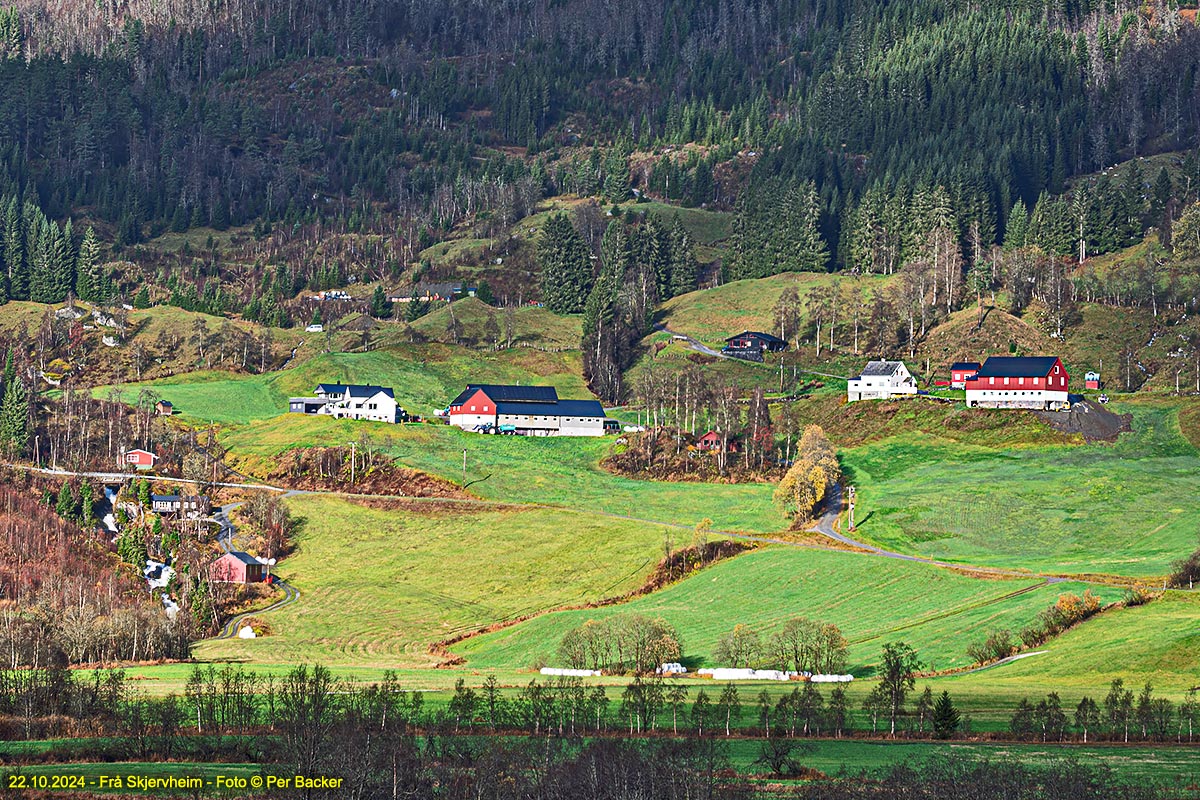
(1020, 381)
(472, 408)
(1006, 381)
(991, 381)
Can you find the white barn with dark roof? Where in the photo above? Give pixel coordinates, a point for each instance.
(350, 401)
(881, 380)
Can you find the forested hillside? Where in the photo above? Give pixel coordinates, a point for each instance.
(226, 157)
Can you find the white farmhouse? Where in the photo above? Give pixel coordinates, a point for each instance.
(350, 401)
(880, 380)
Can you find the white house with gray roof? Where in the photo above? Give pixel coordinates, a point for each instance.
(351, 401)
(881, 380)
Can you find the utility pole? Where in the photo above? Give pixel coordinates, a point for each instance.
(850, 500)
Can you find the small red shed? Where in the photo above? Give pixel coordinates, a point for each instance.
(142, 459)
(236, 567)
(961, 372)
(711, 442)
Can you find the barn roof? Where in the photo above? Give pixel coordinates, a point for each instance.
(354, 389)
(503, 393)
(245, 558)
(559, 408)
(1017, 366)
(881, 368)
(370, 391)
(164, 498)
(961, 365)
(766, 337)
(164, 403)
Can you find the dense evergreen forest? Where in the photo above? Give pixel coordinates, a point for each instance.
(847, 134)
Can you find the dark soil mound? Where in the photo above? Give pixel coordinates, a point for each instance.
(1093, 421)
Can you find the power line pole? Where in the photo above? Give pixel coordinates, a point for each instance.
(850, 496)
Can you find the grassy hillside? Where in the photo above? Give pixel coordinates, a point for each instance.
(378, 586)
(872, 600)
(852, 424)
(425, 377)
(711, 315)
(559, 471)
(1159, 643)
(1125, 509)
(531, 325)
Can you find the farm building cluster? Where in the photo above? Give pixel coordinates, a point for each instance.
(526, 411)
(1031, 382)
(351, 401)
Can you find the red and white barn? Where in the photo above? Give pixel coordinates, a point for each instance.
(236, 567)
(477, 406)
(142, 459)
(1037, 382)
(960, 371)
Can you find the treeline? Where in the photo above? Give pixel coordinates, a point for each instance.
(43, 262)
(1070, 609)
(1116, 718)
(616, 279)
(381, 738)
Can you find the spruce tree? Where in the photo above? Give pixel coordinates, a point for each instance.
(616, 175)
(565, 266)
(15, 261)
(801, 220)
(683, 265)
(14, 416)
(945, 717)
(142, 298)
(66, 502)
(1017, 230)
(91, 283)
(381, 308)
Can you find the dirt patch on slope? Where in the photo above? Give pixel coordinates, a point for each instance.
(328, 469)
(1094, 422)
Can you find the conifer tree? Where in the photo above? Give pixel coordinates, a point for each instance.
(801, 220)
(15, 261)
(381, 308)
(91, 282)
(616, 175)
(565, 266)
(14, 416)
(1017, 230)
(683, 264)
(945, 717)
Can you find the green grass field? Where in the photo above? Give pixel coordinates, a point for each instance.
(1127, 509)
(711, 315)
(425, 377)
(937, 611)
(379, 586)
(531, 325)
